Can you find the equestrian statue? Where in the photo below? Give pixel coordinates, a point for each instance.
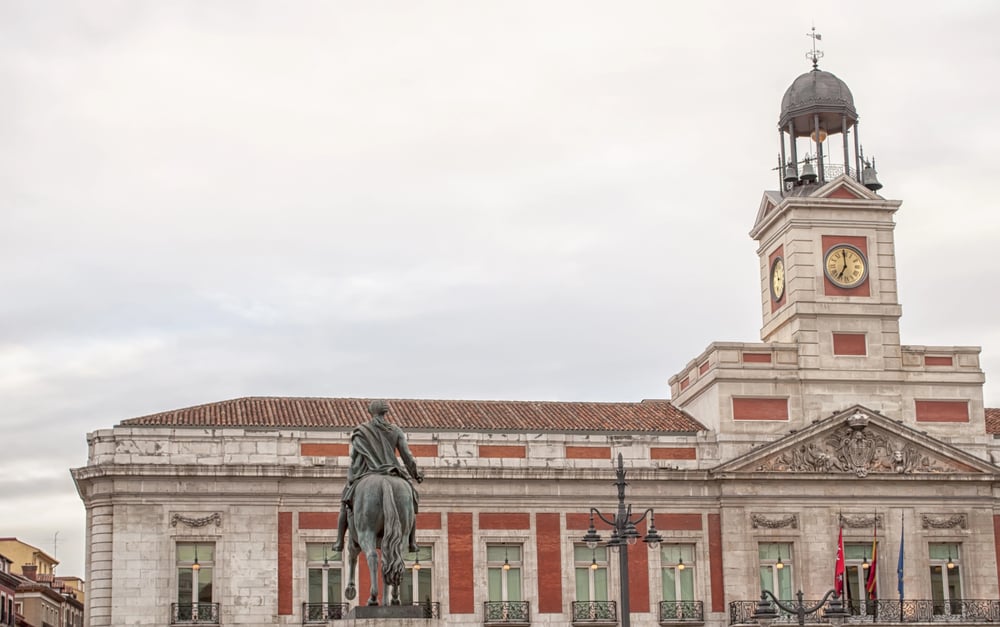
(379, 504)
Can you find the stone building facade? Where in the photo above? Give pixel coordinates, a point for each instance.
(766, 454)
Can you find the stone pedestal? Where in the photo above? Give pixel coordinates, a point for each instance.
(385, 615)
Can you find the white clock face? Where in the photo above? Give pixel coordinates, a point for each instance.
(845, 266)
(778, 279)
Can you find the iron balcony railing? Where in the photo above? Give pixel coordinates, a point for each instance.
(323, 612)
(595, 612)
(885, 611)
(506, 613)
(682, 612)
(194, 613)
(432, 609)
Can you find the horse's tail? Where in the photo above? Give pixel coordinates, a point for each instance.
(394, 534)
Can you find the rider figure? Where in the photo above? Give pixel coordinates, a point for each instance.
(373, 451)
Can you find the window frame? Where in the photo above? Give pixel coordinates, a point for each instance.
(689, 566)
(787, 546)
(516, 564)
(334, 561)
(602, 564)
(947, 603)
(196, 581)
(426, 563)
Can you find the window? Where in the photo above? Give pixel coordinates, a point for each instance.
(776, 568)
(857, 570)
(591, 573)
(418, 577)
(325, 581)
(503, 563)
(195, 566)
(946, 578)
(503, 576)
(677, 564)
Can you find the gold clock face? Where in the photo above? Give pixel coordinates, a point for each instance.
(845, 266)
(778, 279)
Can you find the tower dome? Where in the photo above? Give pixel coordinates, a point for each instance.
(815, 107)
(817, 93)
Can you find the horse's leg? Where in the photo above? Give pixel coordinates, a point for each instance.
(352, 565)
(395, 591)
(371, 556)
(398, 518)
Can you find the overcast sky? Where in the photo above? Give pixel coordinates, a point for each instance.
(495, 200)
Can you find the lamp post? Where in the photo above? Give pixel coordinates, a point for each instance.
(623, 533)
(765, 612)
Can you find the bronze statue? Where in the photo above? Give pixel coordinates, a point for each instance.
(379, 504)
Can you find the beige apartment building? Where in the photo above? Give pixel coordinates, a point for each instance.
(766, 453)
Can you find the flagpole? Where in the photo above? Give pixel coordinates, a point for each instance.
(899, 567)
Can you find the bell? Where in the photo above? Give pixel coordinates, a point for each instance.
(869, 177)
(791, 175)
(808, 172)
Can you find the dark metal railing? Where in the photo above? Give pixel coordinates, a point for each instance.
(682, 611)
(502, 612)
(595, 612)
(886, 611)
(194, 613)
(323, 612)
(432, 609)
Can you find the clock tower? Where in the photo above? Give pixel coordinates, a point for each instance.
(826, 252)
(830, 310)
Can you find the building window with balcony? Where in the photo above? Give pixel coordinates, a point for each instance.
(418, 578)
(591, 566)
(325, 583)
(775, 560)
(195, 573)
(677, 569)
(503, 568)
(946, 578)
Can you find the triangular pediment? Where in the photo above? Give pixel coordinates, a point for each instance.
(768, 202)
(845, 187)
(858, 442)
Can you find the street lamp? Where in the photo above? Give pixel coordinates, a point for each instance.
(623, 533)
(766, 613)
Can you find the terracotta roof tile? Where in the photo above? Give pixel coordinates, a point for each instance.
(992, 420)
(438, 415)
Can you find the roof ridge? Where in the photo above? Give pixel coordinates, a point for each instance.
(648, 415)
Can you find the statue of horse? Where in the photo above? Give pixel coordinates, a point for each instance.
(381, 517)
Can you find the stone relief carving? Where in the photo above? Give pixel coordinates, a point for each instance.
(929, 521)
(759, 520)
(856, 449)
(196, 522)
(860, 521)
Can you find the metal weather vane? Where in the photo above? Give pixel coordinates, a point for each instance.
(815, 55)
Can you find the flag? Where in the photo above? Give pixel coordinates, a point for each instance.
(899, 565)
(870, 584)
(838, 569)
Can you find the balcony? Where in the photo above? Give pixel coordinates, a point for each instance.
(194, 613)
(313, 613)
(595, 613)
(506, 613)
(672, 612)
(883, 611)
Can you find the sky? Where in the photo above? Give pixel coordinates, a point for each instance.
(475, 200)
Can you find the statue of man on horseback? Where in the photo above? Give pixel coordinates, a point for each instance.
(379, 503)
(373, 451)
